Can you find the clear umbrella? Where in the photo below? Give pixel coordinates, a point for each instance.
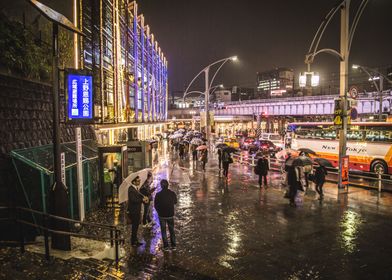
(123, 189)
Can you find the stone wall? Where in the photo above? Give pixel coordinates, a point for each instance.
(26, 121)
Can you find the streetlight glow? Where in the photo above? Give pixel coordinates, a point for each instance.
(355, 66)
(234, 58)
(302, 79)
(315, 80)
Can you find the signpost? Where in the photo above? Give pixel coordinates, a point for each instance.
(79, 173)
(59, 195)
(79, 110)
(345, 170)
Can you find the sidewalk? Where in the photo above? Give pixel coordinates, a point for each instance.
(233, 230)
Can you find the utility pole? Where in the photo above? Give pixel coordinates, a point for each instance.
(344, 52)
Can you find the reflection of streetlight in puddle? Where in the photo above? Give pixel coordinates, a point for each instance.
(349, 230)
(233, 236)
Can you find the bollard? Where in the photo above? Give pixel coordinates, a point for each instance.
(253, 160)
(240, 158)
(379, 182)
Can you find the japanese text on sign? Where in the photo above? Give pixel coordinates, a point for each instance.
(80, 101)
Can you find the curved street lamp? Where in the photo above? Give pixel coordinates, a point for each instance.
(208, 84)
(379, 88)
(346, 37)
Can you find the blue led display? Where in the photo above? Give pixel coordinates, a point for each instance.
(80, 97)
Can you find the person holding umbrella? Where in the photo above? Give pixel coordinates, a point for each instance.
(262, 168)
(135, 200)
(194, 152)
(204, 158)
(220, 158)
(226, 160)
(319, 179)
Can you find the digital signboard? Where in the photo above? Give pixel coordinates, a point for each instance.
(79, 96)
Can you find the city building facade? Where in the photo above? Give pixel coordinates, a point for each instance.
(128, 66)
(275, 83)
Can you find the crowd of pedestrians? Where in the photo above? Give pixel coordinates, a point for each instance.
(141, 194)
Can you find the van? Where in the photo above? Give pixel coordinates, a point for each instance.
(275, 138)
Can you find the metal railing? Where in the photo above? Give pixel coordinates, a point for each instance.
(277, 165)
(17, 217)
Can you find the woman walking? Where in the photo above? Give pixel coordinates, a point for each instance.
(319, 179)
(204, 158)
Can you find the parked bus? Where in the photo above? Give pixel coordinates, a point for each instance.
(369, 144)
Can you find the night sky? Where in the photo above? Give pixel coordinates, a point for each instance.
(263, 34)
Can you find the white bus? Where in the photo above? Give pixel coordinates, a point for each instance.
(369, 144)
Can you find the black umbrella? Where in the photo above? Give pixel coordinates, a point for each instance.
(221, 146)
(229, 150)
(299, 161)
(307, 151)
(323, 162)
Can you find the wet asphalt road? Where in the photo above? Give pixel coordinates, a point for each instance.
(233, 230)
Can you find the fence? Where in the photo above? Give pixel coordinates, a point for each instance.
(114, 233)
(378, 181)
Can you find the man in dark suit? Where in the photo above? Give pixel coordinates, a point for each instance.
(135, 200)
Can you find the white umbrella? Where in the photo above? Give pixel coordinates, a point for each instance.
(123, 189)
(196, 141)
(175, 136)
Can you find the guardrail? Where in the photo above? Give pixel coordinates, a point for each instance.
(278, 166)
(17, 217)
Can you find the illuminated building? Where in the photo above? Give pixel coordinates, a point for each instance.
(277, 82)
(128, 66)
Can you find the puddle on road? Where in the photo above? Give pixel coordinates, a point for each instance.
(349, 225)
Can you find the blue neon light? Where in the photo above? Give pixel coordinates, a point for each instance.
(80, 97)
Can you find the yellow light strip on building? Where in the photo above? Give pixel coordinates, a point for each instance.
(75, 36)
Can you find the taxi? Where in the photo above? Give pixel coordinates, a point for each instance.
(232, 142)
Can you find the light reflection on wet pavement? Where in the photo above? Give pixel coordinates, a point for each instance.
(232, 230)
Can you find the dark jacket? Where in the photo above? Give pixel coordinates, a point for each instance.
(262, 166)
(135, 200)
(164, 203)
(292, 177)
(219, 154)
(319, 175)
(146, 189)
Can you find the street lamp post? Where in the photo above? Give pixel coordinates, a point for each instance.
(208, 84)
(346, 37)
(379, 88)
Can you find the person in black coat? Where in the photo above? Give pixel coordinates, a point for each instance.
(293, 180)
(147, 191)
(319, 180)
(226, 160)
(220, 158)
(135, 200)
(262, 168)
(164, 204)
